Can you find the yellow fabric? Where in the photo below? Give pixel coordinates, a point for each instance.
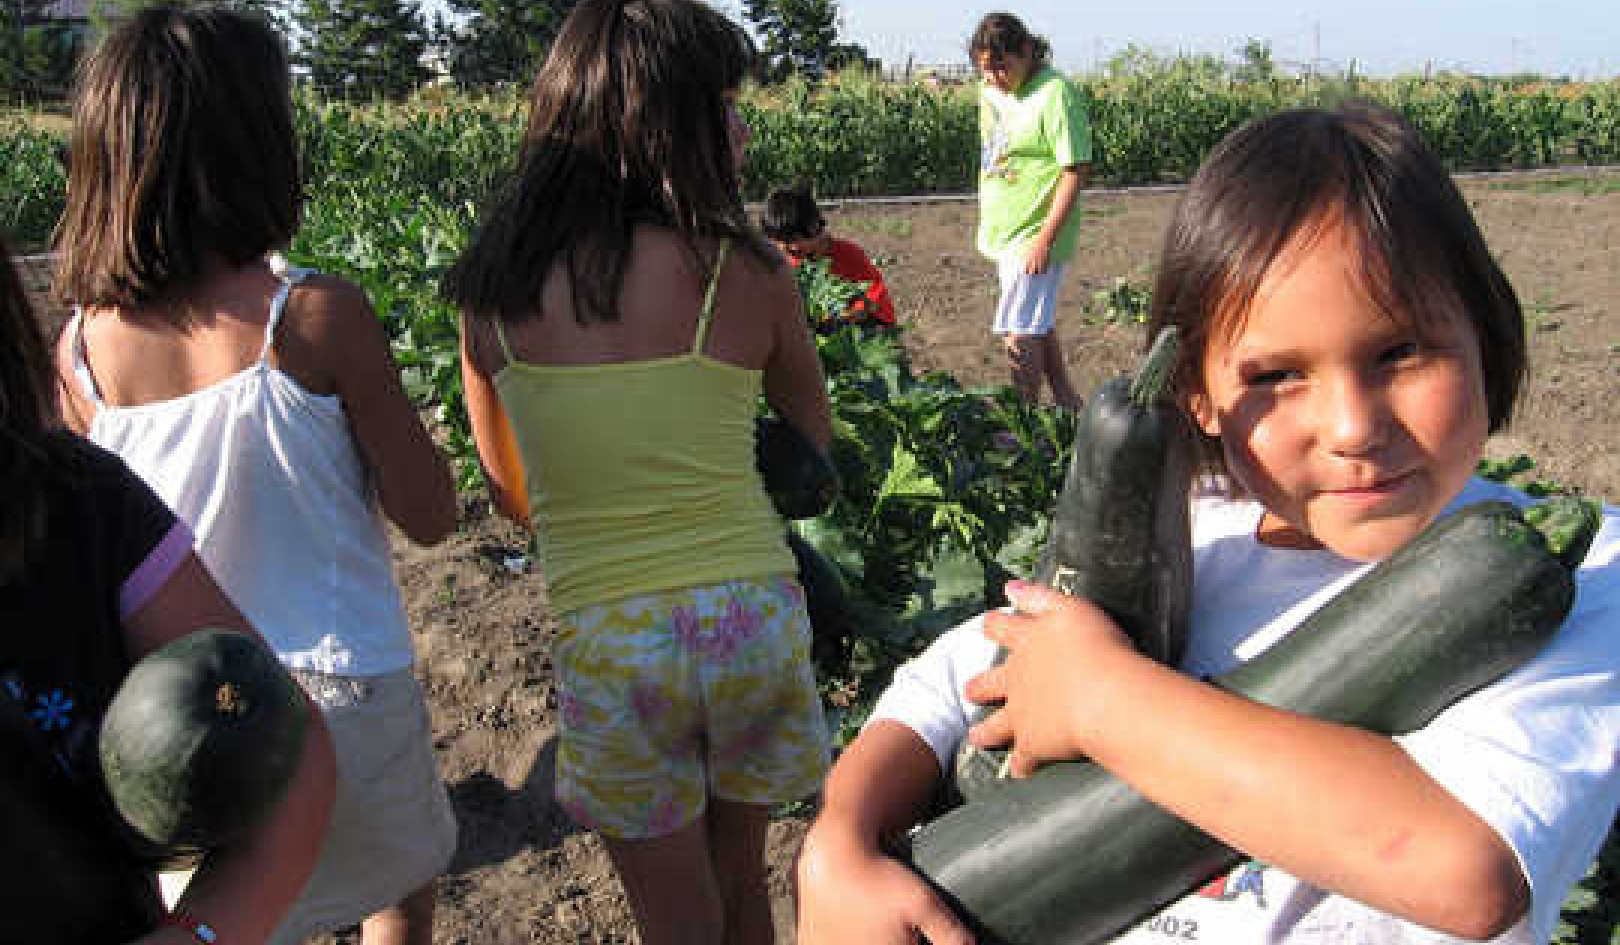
(641, 474)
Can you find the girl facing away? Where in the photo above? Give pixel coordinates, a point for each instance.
(622, 320)
(264, 406)
(1350, 346)
(95, 573)
(1035, 157)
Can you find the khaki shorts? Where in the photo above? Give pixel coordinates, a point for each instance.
(392, 828)
(671, 698)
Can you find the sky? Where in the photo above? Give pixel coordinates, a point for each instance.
(1575, 38)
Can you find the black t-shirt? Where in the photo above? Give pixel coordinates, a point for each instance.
(62, 657)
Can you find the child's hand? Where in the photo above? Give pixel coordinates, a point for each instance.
(1055, 679)
(850, 892)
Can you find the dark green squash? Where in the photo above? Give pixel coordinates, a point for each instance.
(799, 477)
(201, 741)
(1119, 534)
(1073, 855)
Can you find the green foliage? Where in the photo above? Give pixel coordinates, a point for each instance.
(503, 42)
(36, 54)
(945, 493)
(362, 49)
(799, 35)
(33, 185)
(1122, 302)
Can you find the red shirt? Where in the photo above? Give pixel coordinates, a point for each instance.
(849, 261)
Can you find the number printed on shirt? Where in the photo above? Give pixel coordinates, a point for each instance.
(1173, 927)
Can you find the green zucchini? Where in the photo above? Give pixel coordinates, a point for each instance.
(1119, 532)
(1074, 855)
(201, 741)
(799, 478)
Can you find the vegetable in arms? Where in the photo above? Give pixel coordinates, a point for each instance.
(1073, 855)
(1119, 535)
(201, 741)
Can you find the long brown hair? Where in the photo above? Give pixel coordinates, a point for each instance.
(628, 124)
(1364, 167)
(32, 445)
(183, 153)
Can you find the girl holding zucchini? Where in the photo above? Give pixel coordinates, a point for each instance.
(95, 573)
(1349, 345)
(622, 320)
(263, 404)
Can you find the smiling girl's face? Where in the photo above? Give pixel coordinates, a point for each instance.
(1351, 428)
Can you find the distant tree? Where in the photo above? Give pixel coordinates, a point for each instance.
(360, 49)
(36, 53)
(502, 41)
(798, 35)
(1255, 63)
(103, 12)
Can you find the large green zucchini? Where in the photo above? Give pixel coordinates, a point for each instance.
(1119, 532)
(201, 741)
(1073, 855)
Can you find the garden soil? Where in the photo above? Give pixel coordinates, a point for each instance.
(524, 874)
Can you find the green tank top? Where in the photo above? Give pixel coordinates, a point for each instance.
(641, 474)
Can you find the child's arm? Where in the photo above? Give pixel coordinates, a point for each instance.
(492, 430)
(850, 890)
(413, 480)
(241, 891)
(794, 385)
(1339, 807)
(1070, 182)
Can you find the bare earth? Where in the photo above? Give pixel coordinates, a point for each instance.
(525, 874)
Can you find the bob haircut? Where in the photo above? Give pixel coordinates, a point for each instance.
(1289, 175)
(183, 155)
(629, 124)
(1002, 35)
(792, 214)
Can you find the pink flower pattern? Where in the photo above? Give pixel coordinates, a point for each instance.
(649, 702)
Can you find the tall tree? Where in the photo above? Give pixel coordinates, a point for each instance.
(798, 35)
(502, 41)
(37, 51)
(360, 49)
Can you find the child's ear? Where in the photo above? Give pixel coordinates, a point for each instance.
(1204, 414)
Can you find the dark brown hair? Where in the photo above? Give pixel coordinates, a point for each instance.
(791, 214)
(1363, 168)
(628, 124)
(33, 448)
(1002, 35)
(183, 154)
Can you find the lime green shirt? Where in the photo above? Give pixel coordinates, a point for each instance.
(1027, 138)
(641, 474)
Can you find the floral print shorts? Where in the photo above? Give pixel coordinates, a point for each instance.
(669, 698)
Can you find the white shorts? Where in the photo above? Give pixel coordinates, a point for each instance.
(1028, 303)
(392, 828)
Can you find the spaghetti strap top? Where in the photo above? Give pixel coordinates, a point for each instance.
(81, 355)
(271, 482)
(705, 314)
(641, 474)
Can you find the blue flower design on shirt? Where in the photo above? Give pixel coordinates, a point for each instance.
(54, 710)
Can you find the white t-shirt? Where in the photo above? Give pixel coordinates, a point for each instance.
(1533, 755)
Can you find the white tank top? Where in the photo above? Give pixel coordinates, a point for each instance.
(269, 478)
